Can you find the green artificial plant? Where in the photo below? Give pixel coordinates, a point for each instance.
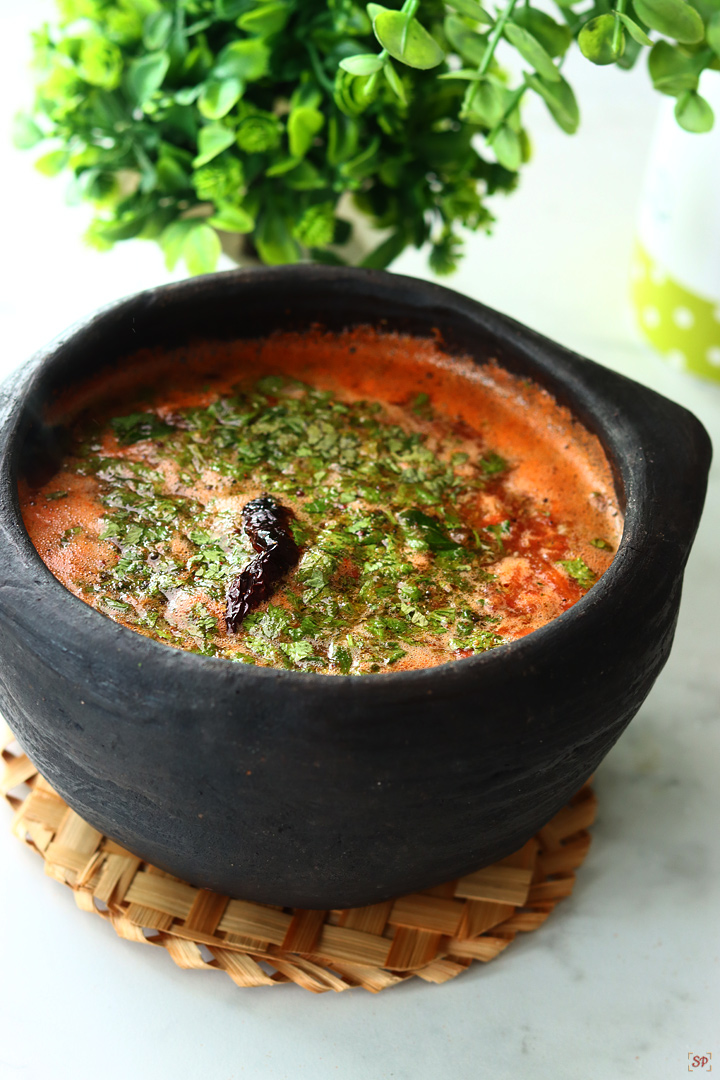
(180, 119)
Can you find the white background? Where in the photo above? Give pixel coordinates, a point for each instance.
(624, 979)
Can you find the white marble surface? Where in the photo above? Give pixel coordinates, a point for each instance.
(624, 980)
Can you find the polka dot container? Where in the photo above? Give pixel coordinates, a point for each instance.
(679, 324)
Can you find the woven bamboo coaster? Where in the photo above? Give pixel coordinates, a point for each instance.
(432, 935)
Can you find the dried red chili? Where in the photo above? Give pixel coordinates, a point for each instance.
(267, 524)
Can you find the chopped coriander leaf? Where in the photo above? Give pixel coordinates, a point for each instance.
(603, 545)
(492, 464)
(115, 605)
(69, 533)
(202, 622)
(271, 384)
(317, 506)
(478, 641)
(298, 650)
(274, 622)
(137, 426)
(426, 533)
(388, 518)
(52, 495)
(421, 405)
(341, 657)
(579, 571)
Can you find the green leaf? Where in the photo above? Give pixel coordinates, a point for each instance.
(171, 176)
(268, 19)
(362, 64)
(374, 10)
(188, 94)
(220, 180)
(635, 31)
(553, 37)
(212, 140)
(472, 10)
(146, 75)
(693, 113)
(492, 464)
(342, 658)
(445, 149)
(560, 100)
(232, 219)
(198, 26)
(316, 227)
(484, 103)
(303, 125)
(94, 238)
(25, 132)
(172, 241)
(706, 8)
(297, 650)
(596, 40)
(713, 33)
(463, 74)
(53, 163)
(229, 9)
(201, 249)
(343, 136)
(245, 60)
(631, 52)
(508, 148)
(327, 258)
(156, 30)
(306, 93)
(674, 18)
(408, 42)
(125, 227)
(391, 172)
(580, 571)
(100, 63)
(155, 223)
(274, 241)
(394, 81)
(219, 96)
(429, 530)
(353, 94)
(671, 71)
(421, 405)
(532, 51)
(386, 252)
(259, 132)
(116, 605)
(466, 42)
(284, 165)
(364, 163)
(131, 429)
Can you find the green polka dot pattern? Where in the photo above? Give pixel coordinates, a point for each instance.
(679, 324)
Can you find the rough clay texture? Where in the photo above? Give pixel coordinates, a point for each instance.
(314, 791)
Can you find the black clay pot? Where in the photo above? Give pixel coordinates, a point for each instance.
(322, 791)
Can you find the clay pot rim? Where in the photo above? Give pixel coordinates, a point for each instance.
(635, 449)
